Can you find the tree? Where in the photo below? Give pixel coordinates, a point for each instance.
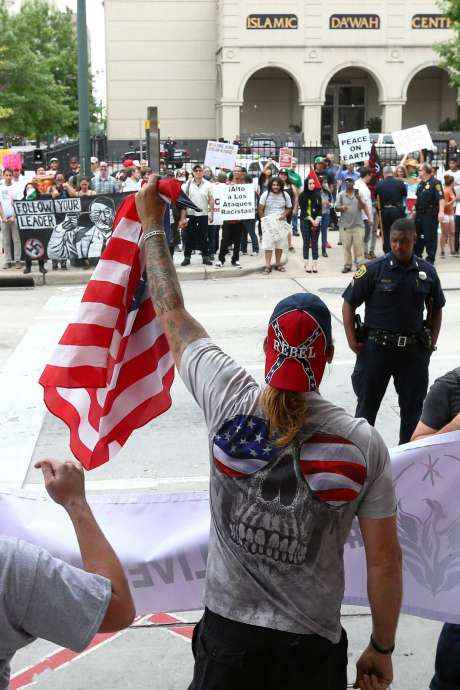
(38, 72)
(450, 50)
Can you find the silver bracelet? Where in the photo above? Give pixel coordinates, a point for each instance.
(153, 233)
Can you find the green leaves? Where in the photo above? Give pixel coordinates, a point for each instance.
(38, 71)
(449, 51)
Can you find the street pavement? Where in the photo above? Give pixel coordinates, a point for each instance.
(235, 313)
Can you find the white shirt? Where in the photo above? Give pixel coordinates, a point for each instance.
(132, 185)
(456, 176)
(6, 199)
(366, 197)
(199, 194)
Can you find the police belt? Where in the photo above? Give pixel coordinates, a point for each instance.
(400, 206)
(398, 341)
(425, 209)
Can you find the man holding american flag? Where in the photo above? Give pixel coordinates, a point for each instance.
(289, 473)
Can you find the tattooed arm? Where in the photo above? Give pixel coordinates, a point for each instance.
(180, 327)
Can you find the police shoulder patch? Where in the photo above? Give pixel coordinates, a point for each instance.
(362, 270)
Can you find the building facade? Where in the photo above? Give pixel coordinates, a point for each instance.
(237, 67)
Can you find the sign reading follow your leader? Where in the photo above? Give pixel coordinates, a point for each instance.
(234, 202)
(412, 139)
(221, 155)
(355, 146)
(74, 228)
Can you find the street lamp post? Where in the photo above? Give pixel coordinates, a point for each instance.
(83, 88)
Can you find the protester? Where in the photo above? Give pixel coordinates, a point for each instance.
(326, 205)
(85, 188)
(274, 207)
(196, 234)
(232, 230)
(73, 171)
(43, 597)
(362, 185)
(346, 172)
(94, 165)
(351, 223)
(310, 222)
(275, 565)
(291, 189)
(54, 166)
(103, 183)
(10, 233)
(448, 220)
(265, 179)
(133, 181)
(61, 189)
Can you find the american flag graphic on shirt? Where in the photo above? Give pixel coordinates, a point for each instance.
(112, 370)
(333, 467)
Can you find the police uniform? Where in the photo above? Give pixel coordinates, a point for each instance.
(391, 195)
(429, 194)
(394, 344)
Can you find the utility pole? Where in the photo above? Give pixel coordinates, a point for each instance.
(83, 88)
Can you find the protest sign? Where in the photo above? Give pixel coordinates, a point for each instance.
(73, 228)
(221, 155)
(412, 139)
(12, 161)
(162, 539)
(286, 156)
(234, 202)
(355, 146)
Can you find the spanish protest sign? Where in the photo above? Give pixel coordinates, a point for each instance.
(234, 202)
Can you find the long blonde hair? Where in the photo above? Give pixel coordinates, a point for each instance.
(286, 412)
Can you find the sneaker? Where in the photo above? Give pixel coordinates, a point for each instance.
(255, 254)
(346, 269)
(186, 262)
(244, 253)
(218, 264)
(236, 264)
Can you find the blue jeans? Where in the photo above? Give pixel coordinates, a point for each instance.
(325, 222)
(309, 234)
(295, 223)
(249, 228)
(447, 665)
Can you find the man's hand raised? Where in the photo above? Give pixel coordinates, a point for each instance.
(64, 482)
(150, 206)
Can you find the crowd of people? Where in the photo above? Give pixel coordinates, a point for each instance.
(361, 202)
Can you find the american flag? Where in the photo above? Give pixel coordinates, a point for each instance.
(112, 370)
(333, 467)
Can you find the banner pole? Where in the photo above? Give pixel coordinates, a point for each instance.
(83, 89)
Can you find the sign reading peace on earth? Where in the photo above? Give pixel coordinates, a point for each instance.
(355, 146)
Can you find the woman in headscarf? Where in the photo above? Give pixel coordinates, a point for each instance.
(310, 222)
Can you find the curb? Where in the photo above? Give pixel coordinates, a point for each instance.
(57, 278)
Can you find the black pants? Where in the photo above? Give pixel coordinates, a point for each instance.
(447, 665)
(249, 228)
(213, 232)
(231, 234)
(235, 656)
(310, 234)
(374, 367)
(389, 215)
(196, 236)
(457, 234)
(427, 235)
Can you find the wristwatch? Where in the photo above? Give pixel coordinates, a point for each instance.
(381, 650)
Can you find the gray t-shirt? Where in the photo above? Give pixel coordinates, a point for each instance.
(41, 596)
(442, 403)
(275, 203)
(352, 217)
(280, 517)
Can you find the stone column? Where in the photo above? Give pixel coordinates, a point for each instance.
(311, 122)
(392, 115)
(229, 119)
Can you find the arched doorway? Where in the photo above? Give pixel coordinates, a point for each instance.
(270, 103)
(430, 99)
(351, 102)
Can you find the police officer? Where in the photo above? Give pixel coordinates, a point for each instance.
(395, 340)
(429, 211)
(390, 196)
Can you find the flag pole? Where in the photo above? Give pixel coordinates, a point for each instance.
(83, 89)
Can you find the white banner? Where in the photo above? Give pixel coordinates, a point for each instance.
(220, 155)
(355, 147)
(161, 539)
(233, 202)
(412, 139)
